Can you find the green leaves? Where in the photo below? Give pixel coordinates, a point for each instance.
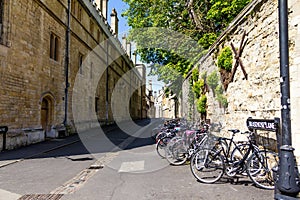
(213, 80)
(201, 104)
(198, 87)
(224, 11)
(225, 59)
(195, 74)
(183, 29)
(207, 40)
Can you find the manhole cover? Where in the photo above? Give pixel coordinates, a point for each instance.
(41, 197)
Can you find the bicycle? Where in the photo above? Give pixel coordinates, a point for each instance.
(209, 164)
(162, 142)
(180, 149)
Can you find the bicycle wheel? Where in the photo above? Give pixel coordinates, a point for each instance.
(154, 132)
(161, 145)
(238, 153)
(259, 168)
(207, 166)
(177, 152)
(160, 135)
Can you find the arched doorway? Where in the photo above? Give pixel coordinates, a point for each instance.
(46, 114)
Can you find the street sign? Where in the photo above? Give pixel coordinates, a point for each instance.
(3, 129)
(263, 124)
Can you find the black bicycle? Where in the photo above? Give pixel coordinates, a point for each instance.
(209, 164)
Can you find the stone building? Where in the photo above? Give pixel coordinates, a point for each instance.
(142, 70)
(39, 74)
(255, 93)
(166, 105)
(158, 104)
(150, 100)
(169, 106)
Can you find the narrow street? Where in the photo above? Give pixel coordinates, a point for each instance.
(137, 172)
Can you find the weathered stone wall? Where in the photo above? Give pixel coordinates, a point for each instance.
(28, 75)
(258, 96)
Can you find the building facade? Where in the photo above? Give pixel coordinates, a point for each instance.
(46, 47)
(150, 100)
(166, 105)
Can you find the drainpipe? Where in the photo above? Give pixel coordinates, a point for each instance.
(130, 101)
(67, 58)
(141, 104)
(141, 88)
(107, 84)
(288, 175)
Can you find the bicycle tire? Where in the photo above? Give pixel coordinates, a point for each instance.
(259, 168)
(238, 154)
(161, 145)
(176, 153)
(207, 166)
(154, 133)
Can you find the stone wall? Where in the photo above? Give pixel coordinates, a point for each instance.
(18, 138)
(258, 96)
(32, 82)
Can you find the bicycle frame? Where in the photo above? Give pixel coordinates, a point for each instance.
(234, 145)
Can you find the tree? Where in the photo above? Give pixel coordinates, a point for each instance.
(172, 52)
(222, 12)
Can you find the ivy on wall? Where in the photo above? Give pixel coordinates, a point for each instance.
(213, 82)
(201, 104)
(198, 87)
(225, 59)
(195, 75)
(191, 98)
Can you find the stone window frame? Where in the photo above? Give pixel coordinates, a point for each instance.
(92, 25)
(5, 32)
(1, 17)
(123, 65)
(97, 106)
(99, 35)
(54, 48)
(80, 62)
(73, 7)
(91, 70)
(79, 13)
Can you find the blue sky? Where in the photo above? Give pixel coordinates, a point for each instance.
(120, 7)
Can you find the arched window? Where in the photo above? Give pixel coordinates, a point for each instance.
(54, 47)
(47, 111)
(1, 19)
(56, 52)
(80, 62)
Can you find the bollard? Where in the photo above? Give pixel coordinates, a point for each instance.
(288, 181)
(3, 131)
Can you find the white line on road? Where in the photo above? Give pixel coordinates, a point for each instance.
(132, 166)
(6, 195)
